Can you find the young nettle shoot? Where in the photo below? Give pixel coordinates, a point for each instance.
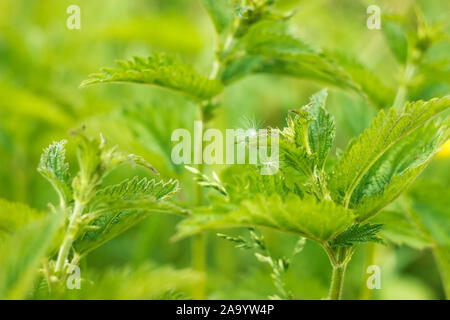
(95, 213)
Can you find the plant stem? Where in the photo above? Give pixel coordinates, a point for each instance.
(69, 237)
(408, 75)
(366, 293)
(402, 91)
(339, 258)
(337, 282)
(199, 241)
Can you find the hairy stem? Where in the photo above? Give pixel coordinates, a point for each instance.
(69, 237)
(339, 258)
(337, 282)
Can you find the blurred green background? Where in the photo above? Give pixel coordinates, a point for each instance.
(42, 63)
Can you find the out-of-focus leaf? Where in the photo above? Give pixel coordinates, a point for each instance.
(396, 39)
(221, 12)
(442, 256)
(21, 254)
(145, 282)
(430, 203)
(400, 230)
(173, 33)
(271, 48)
(31, 106)
(14, 216)
(372, 87)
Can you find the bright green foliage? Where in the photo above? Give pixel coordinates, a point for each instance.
(442, 255)
(358, 233)
(159, 70)
(95, 161)
(395, 36)
(308, 218)
(136, 189)
(96, 214)
(116, 208)
(22, 253)
(28, 105)
(401, 229)
(147, 281)
(385, 134)
(221, 12)
(14, 215)
(395, 171)
(270, 48)
(307, 140)
(427, 210)
(321, 129)
(370, 85)
(381, 163)
(282, 57)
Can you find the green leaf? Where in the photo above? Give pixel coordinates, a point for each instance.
(358, 233)
(138, 188)
(159, 70)
(429, 208)
(273, 39)
(319, 221)
(321, 130)
(119, 207)
(442, 256)
(221, 12)
(396, 39)
(384, 134)
(296, 157)
(14, 216)
(95, 161)
(29, 105)
(399, 229)
(55, 169)
(241, 67)
(396, 170)
(243, 182)
(372, 87)
(147, 281)
(21, 255)
(270, 48)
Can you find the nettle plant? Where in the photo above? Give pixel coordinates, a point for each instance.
(331, 205)
(311, 197)
(252, 37)
(93, 213)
